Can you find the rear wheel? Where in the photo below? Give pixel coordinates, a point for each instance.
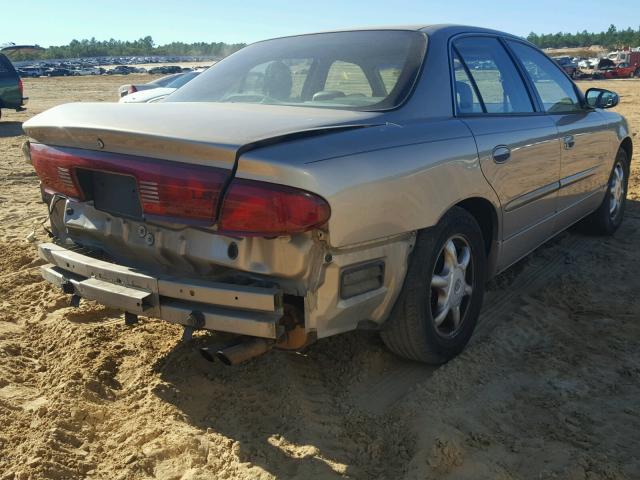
(608, 217)
(439, 305)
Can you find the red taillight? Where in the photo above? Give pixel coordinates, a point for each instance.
(21, 87)
(186, 193)
(54, 168)
(266, 209)
(132, 89)
(182, 192)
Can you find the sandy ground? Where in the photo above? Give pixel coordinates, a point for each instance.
(548, 388)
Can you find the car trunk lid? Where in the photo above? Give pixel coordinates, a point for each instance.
(202, 133)
(174, 162)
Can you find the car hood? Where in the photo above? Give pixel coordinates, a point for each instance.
(147, 95)
(203, 133)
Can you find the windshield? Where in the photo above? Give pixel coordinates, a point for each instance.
(359, 70)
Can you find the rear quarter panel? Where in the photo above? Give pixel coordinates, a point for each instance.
(379, 181)
(617, 129)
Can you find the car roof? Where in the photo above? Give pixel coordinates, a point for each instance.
(430, 29)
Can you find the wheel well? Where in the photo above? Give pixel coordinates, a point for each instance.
(627, 146)
(486, 216)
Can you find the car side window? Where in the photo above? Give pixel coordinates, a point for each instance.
(556, 91)
(497, 79)
(4, 65)
(466, 98)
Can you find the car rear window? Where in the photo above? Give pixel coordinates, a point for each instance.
(164, 81)
(182, 80)
(357, 70)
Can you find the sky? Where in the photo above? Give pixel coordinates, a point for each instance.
(57, 22)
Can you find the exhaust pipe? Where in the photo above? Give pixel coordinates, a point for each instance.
(238, 352)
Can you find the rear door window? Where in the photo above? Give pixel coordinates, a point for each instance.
(466, 97)
(498, 82)
(556, 91)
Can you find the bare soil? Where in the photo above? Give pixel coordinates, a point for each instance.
(548, 388)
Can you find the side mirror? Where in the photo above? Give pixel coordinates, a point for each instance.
(601, 98)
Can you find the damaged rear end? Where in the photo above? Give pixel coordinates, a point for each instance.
(154, 222)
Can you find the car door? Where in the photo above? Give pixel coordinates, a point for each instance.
(585, 144)
(518, 146)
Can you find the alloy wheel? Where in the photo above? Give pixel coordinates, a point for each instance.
(451, 285)
(616, 190)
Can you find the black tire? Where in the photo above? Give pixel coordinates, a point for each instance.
(603, 221)
(411, 330)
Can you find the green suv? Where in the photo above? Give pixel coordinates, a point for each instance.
(11, 88)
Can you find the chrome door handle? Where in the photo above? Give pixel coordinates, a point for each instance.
(501, 154)
(569, 142)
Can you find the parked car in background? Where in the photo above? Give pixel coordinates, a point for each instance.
(622, 70)
(85, 71)
(312, 185)
(159, 93)
(121, 70)
(167, 69)
(11, 87)
(568, 65)
(160, 82)
(57, 72)
(31, 72)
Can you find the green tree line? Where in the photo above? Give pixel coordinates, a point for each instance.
(141, 47)
(612, 38)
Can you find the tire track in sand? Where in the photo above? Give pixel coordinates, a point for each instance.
(503, 299)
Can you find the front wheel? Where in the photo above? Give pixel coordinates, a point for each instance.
(608, 217)
(440, 302)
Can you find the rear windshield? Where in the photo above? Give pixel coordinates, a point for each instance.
(361, 70)
(6, 68)
(182, 79)
(162, 82)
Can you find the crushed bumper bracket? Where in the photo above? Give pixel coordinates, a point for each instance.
(241, 309)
